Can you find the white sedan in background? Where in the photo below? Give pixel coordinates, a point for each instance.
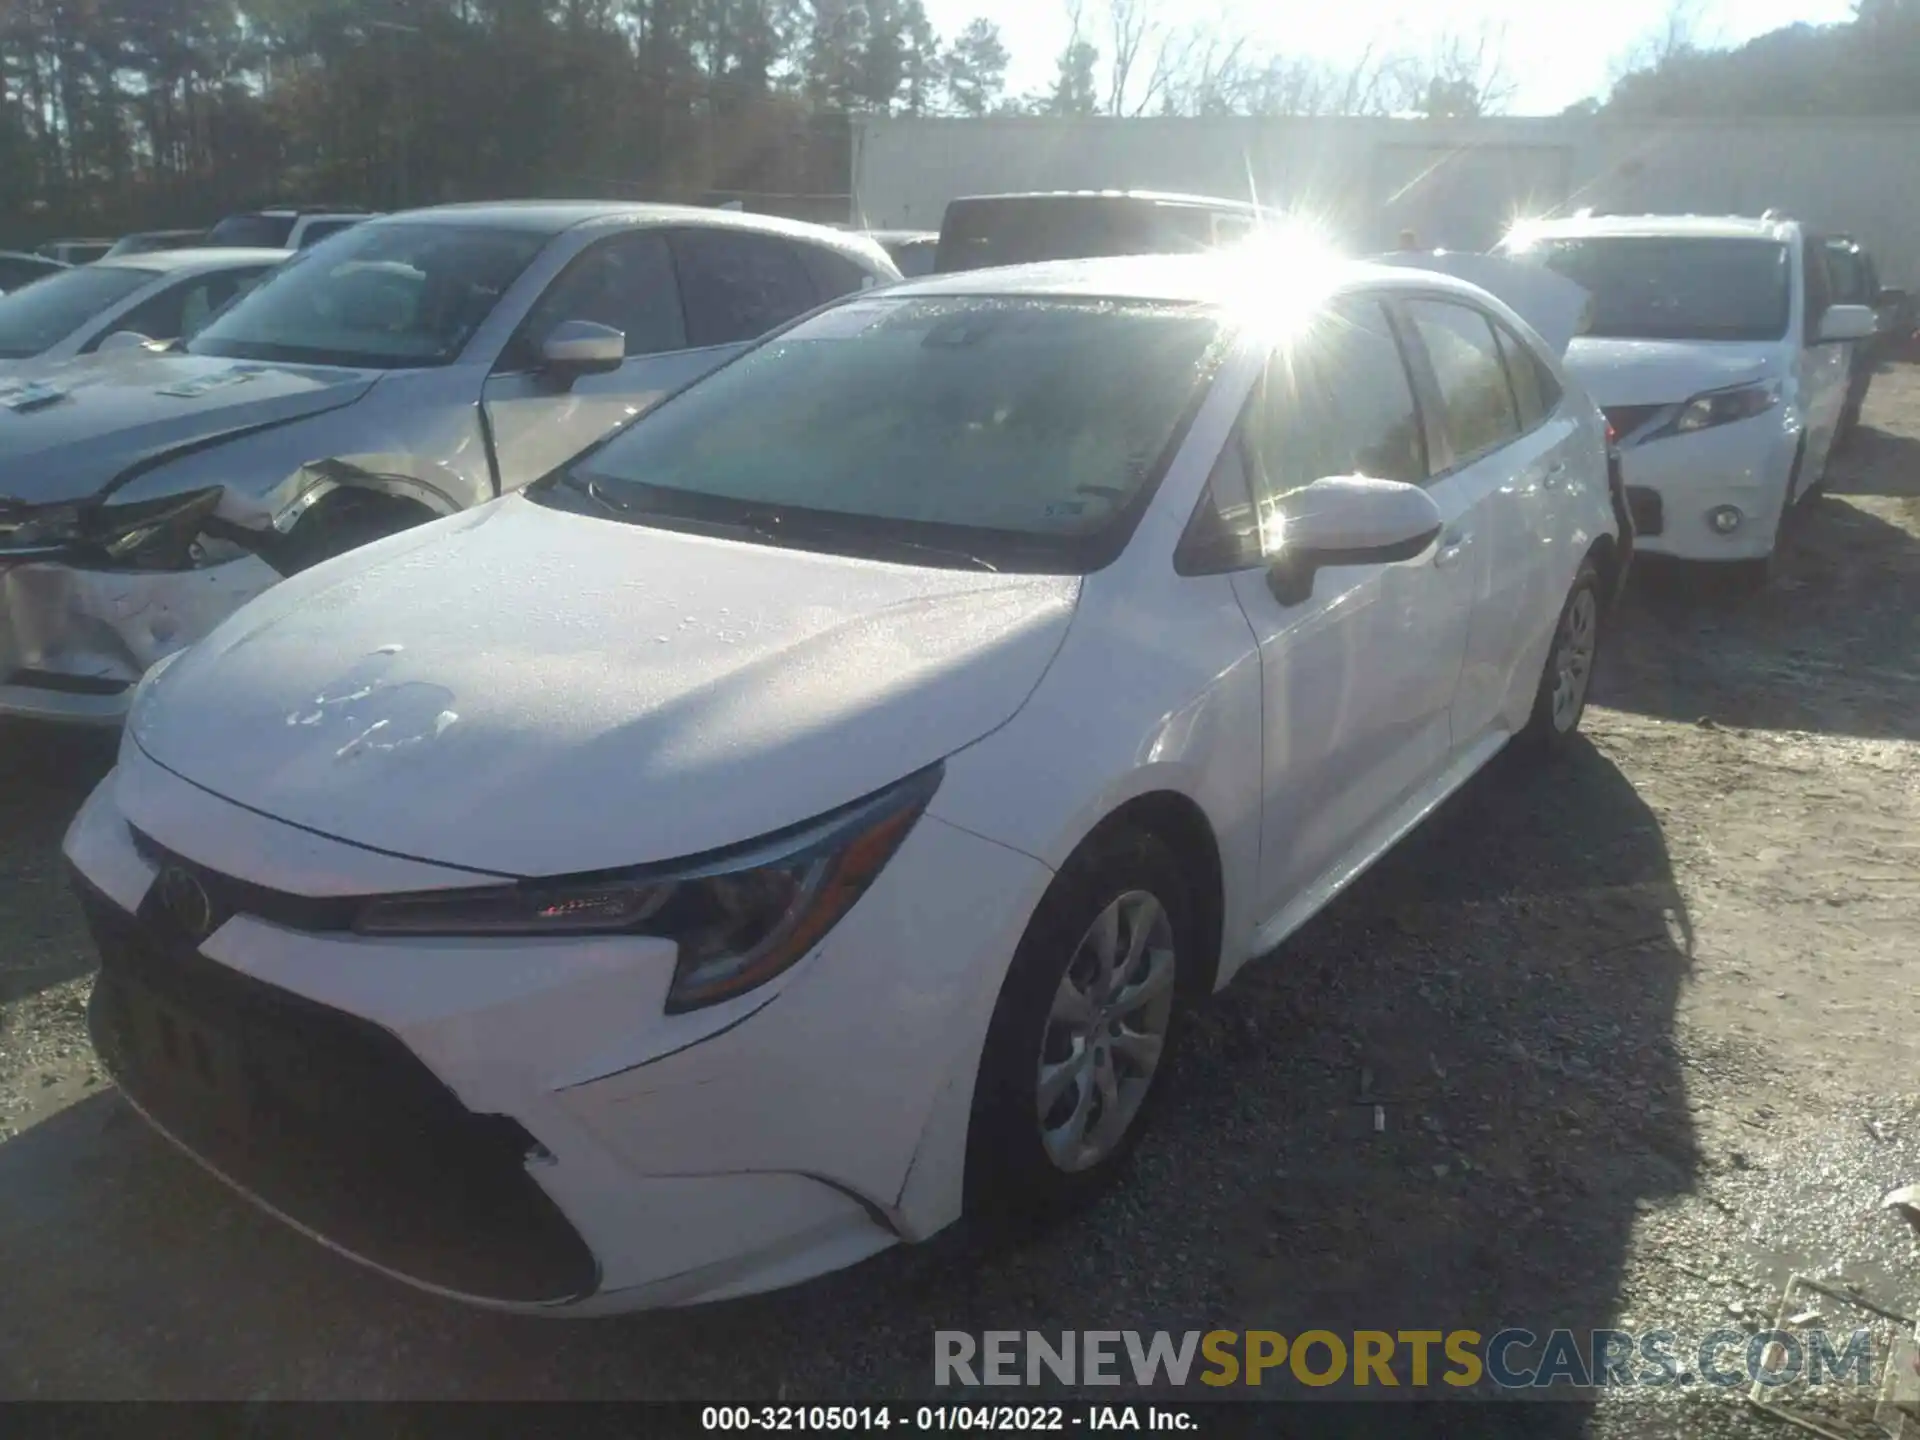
(161, 295)
(813, 812)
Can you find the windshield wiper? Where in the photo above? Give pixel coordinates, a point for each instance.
(775, 527)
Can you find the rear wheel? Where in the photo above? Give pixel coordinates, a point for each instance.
(1082, 1034)
(1561, 700)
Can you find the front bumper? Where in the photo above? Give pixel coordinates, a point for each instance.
(74, 642)
(547, 1139)
(1681, 479)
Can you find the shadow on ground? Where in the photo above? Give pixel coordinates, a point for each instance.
(1503, 986)
(44, 775)
(1830, 645)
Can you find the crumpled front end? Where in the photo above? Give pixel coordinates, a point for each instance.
(74, 642)
(91, 596)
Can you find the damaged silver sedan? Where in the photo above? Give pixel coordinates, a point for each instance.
(410, 368)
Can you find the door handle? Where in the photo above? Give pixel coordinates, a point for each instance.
(1452, 546)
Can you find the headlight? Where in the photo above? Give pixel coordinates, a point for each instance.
(40, 528)
(1723, 407)
(154, 534)
(739, 918)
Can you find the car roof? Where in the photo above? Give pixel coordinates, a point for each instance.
(1158, 197)
(901, 237)
(555, 217)
(1206, 279)
(1719, 227)
(198, 257)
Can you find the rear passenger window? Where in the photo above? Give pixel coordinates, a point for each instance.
(1336, 401)
(833, 274)
(1478, 412)
(1535, 391)
(737, 285)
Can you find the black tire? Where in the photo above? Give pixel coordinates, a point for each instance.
(1551, 729)
(1012, 1182)
(346, 525)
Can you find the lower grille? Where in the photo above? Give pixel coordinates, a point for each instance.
(1649, 514)
(328, 1119)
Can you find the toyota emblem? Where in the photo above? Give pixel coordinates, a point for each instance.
(185, 901)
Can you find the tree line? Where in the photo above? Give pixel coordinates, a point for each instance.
(120, 114)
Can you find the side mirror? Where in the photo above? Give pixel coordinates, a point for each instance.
(1345, 520)
(1847, 322)
(579, 347)
(126, 340)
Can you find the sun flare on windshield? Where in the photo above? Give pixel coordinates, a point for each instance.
(1282, 275)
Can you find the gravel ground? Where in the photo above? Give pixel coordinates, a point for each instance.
(1639, 1025)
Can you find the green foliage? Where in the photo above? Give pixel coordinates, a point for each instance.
(125, 114)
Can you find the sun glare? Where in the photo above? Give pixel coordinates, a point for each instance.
(1285, 270)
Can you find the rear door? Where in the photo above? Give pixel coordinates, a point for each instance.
(1494, 476)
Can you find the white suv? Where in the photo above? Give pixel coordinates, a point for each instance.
(1720, 362)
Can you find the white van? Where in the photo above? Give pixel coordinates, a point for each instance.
(1714, 349)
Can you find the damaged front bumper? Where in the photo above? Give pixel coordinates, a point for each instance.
(75, 641)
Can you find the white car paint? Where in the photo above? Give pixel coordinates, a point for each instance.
(520, 691)
(1761, 465)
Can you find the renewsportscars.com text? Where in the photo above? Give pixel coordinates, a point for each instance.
(1510, 1359)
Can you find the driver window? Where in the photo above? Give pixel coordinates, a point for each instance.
(625, 282)
(1335, 400)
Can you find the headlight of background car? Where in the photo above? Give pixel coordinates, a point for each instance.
(739, 918)
(153, 534)
(40, 528)
(1723, 407)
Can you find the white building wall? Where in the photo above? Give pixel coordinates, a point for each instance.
(1455, 183)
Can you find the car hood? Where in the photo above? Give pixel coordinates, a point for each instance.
(1662, 372)
(530, 692)
(67, 432)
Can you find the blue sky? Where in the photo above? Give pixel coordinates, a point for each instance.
(1555, 52)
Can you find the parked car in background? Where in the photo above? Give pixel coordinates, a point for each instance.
(290, 228)
(1721, 361)
(145, 242)
(1854, 279)
(74, 252)
(912, 251)
(18, 268)
(411, 367)
(819, 827)
(161, 296)
(986, 230)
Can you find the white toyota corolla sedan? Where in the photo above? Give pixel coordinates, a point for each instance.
(813, 812)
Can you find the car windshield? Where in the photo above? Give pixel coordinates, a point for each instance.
(267, 232)
(1663, 287)
(41, 314)
(1002, 433)
(379, 296)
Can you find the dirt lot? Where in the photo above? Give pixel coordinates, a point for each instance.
(1642, 1025)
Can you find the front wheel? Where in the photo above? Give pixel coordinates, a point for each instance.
(1087, 1020)
(1562, 697)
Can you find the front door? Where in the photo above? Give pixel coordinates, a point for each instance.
(1358, 679)
(627, 282)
